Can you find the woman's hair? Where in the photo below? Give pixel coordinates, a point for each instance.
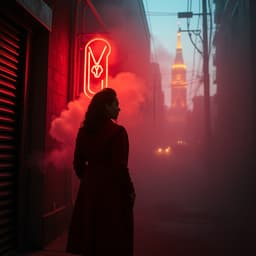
(96, 114)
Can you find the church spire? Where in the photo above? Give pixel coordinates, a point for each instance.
(179, 82)
(179, 55)
(178, 40)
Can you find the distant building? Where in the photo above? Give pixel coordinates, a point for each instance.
(179, 80)
(157, 93)
(177, 114)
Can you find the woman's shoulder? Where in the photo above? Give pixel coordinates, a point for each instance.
(117, 127)
(113, 129)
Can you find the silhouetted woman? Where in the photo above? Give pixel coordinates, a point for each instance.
(102, 220)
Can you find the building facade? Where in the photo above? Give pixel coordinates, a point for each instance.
(234, 133)
(39, 75)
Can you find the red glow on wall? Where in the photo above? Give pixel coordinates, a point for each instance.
(96, 65)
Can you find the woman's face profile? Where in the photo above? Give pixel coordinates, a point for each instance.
(113, 109)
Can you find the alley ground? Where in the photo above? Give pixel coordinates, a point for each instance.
(171, 214)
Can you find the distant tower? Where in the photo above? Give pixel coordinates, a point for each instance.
(179, 82)
(177, 115)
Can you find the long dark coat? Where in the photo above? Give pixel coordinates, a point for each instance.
(102, 220)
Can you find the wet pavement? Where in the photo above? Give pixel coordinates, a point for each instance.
(160, 230)
(179, 237)
(172, 216)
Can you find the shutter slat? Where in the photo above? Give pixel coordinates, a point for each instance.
(7, 94)
(7, 40)
(10, 70)
(5, 194)
(8, 48)
(7, 71)
(3, 76)
(8, 85)
(9, 63)
(6, 110)
(5, 184)
(5, 175)
(11, 44)
(6, 138)
(7, 147)
(9, 30)
(6, 157)
(7, 102)
(4, 119)
(6, 128)
(9, 56)
(10, 140)
(5, 166)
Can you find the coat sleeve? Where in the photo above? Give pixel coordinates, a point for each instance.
(78, 160)
(120, 153)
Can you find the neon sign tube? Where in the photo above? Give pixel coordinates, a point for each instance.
(96, 61)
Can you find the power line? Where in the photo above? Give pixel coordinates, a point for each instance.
(198, 73)
(160, 13)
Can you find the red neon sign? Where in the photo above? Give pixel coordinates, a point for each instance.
(96, 61)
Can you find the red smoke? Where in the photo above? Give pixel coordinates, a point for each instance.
(131, 94)
(63, 129)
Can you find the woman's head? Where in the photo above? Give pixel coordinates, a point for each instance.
(103, 106)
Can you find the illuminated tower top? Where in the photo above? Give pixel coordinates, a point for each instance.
(179, 62)
(179, 82)
(178, 41)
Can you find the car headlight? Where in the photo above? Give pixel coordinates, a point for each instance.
(159, 150)
(163, 150)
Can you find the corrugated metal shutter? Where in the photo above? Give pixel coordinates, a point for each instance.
(12, 48)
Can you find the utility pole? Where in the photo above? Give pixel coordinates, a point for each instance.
(205, 53)
(207, 116)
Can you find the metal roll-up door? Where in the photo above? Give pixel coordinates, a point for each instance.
(12, 59)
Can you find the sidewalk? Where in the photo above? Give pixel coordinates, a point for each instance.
(55, 248)
(179, 237)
